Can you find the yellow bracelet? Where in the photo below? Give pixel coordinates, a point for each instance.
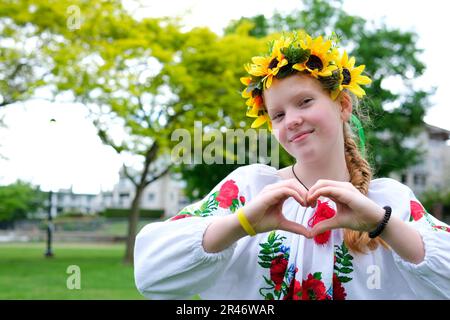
(244, 223)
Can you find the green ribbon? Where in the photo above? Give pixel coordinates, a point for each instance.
(362, 139)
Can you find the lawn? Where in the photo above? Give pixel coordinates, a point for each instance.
(26, 274)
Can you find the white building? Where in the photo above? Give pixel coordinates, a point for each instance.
(166, 193)
(434, 171)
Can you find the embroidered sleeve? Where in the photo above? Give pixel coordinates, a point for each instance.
(169, 259)
(429, 279)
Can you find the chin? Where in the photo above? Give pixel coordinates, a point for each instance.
(304, 156)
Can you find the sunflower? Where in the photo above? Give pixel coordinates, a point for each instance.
(351, 77)
(261, 118)
(268, 67)
(257, 110)
(318, 63)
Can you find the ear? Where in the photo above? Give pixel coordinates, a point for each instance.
(346, 106)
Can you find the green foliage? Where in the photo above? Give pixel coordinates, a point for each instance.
(432, 198)
(18, 200)
(123, 213)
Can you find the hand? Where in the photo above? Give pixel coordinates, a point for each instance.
(264, 212)
(354, 210)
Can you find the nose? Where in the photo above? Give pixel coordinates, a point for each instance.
(293, 120)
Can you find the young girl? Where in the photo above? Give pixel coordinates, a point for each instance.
(319, 229)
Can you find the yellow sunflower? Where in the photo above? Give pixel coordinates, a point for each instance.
(262, 118)
(257, 110)
(268, 67)
(318, 63)
(351, 77)
(246, 81)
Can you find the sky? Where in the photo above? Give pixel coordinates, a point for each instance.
(68, 153)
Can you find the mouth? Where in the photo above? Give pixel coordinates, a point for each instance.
(300, 136)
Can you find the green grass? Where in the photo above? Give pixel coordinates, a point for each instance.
(26, 274)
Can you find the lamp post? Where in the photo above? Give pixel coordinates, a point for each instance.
(49, 252)
(50, 226)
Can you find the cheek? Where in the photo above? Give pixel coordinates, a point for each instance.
(325, 124)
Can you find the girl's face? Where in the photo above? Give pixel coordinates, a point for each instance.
(305, 120)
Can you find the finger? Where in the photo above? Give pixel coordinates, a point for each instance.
(286, 192)
(330, 183)
(295, 227)
(337, 193)
(325, 225)
(293, 183)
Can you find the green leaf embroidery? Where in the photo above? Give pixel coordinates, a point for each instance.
(339, 255)
(271, 238)
(269, 296)
(345, 270)
(266, 251)
(344, 249)
(264, 264)
(344, 279)
(269, 282)
(317, 275)
(265, 246)
(265, 258)
(346, 262)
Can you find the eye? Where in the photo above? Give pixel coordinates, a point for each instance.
(280, 114)
(305, 101)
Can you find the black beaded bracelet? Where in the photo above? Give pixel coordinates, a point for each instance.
(382, 225)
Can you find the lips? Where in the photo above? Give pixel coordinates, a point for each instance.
(300, 134)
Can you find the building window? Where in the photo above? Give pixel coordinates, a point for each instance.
(416, 179)
(404, 178)
(424, 180)
(420, 179)
(151, 196)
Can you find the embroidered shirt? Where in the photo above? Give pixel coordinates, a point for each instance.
(171, 263)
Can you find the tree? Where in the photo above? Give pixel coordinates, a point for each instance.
(18, 200)
(146, 77)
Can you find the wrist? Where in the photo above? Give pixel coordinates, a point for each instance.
(374, 220)
(222, 233)
(382, 224)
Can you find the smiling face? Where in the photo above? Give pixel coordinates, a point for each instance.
(305, 120)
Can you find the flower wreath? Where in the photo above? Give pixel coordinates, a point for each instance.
(317, 57)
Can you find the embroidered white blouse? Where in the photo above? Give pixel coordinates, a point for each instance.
(171, 263)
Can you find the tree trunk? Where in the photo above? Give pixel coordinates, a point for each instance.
(133, 220)
(438, 210)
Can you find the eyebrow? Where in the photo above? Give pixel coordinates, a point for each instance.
(295, 96)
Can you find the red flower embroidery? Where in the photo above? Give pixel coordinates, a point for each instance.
(444, 228)
(323, 212)
(181, 216)
(295, 290)
(277, 270)
(338, 289)
(242, 199)
(228, 192)
(313, 289)
(417, 211)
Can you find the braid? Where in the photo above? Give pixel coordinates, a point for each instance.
(361, 175)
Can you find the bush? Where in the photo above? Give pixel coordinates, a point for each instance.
(73, 214)
(125, 213)
(431, 198)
